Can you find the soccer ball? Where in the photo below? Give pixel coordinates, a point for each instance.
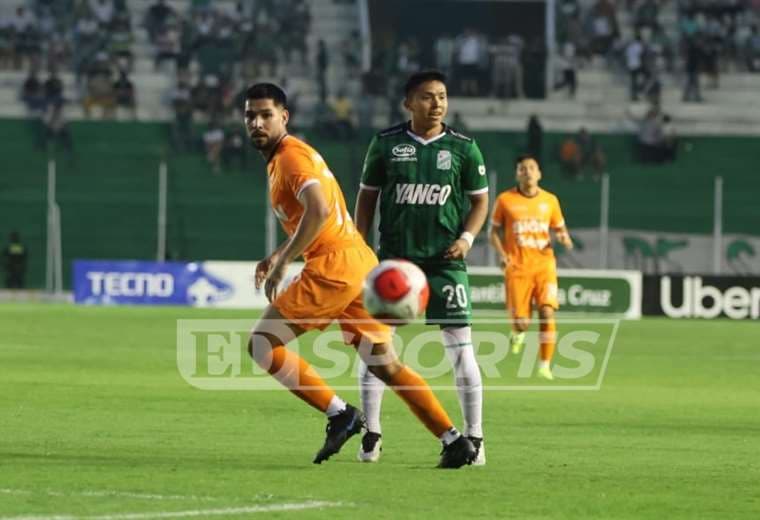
(396, 291)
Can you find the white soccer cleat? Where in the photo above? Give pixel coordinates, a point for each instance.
(545, 373)
(370, 448)
(517, 342)
(480, 446)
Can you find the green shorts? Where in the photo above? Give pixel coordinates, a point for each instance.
(449, 303)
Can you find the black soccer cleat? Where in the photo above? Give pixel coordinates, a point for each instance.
(457, 454)
(480, 450)
(372, 445)
(339, 429)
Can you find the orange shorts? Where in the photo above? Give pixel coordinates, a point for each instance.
(524, 289)
(330, 288)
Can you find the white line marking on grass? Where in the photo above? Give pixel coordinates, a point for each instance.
(118, 494)
(144, 496)
(298, 506)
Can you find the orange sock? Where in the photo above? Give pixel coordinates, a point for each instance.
(420, 399)
(298, 376)
(548, 338)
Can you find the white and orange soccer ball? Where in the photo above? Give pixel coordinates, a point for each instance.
(396, 291)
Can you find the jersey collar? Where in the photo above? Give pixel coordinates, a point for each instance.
(422, 141)
(276, 147)
(520, 192)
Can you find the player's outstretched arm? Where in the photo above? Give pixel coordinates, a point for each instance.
(315, 213)
(265, 265)
(364, 212)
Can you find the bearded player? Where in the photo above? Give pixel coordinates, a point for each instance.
(522, 219)
(425, 175)
(310, 206)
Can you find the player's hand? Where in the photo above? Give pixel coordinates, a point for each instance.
(504, 262)
(458, 250)
(564, 239)
(262, 269)
(275, 276)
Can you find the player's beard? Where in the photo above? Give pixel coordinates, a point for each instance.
(260, 141)
(265, 143)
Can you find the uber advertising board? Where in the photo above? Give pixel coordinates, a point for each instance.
(734, 297)
(197, 284)
(615, 292)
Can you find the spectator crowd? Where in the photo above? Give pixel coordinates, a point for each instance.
(476, 64)
(211, 50)
(710, 36)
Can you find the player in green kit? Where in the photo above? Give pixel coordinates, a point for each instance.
(433, 190)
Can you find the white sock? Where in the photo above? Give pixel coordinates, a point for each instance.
(371, 389)
(449, 436)
(336, 406)
(543, 364)
(458, 344)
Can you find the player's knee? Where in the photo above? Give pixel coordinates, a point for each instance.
(379, 359)
(521, 324)
(386, 371)
(259, 347)
(546, 312)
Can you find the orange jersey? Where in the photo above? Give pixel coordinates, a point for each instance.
(293, 167)
(524, 223)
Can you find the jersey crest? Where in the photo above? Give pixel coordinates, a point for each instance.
(443, 160)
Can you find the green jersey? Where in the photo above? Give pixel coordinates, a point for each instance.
(424, 188)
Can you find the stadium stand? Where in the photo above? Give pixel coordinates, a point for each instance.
(83, 39)
(173, 114)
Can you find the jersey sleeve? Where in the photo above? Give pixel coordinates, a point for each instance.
(497, 215)
(373, 172)
(300, 171)
(474, 179)
(557, 220)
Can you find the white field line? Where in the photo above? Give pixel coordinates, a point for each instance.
(298, 506)
(118, 494)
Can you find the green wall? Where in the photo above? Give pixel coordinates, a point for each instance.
(107, 191)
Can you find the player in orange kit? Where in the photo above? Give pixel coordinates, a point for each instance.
(310, 206)
(520, 224)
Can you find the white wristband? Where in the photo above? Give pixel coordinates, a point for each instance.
(467, 237)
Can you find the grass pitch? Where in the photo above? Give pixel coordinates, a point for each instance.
(96, 422)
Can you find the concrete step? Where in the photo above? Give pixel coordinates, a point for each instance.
(605, 78)
(496, 123)
(671, 93)
(151, 80)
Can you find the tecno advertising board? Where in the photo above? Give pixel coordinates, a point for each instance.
(230, 285)
(197, 284)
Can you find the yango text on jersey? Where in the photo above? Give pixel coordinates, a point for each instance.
(427, 194)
